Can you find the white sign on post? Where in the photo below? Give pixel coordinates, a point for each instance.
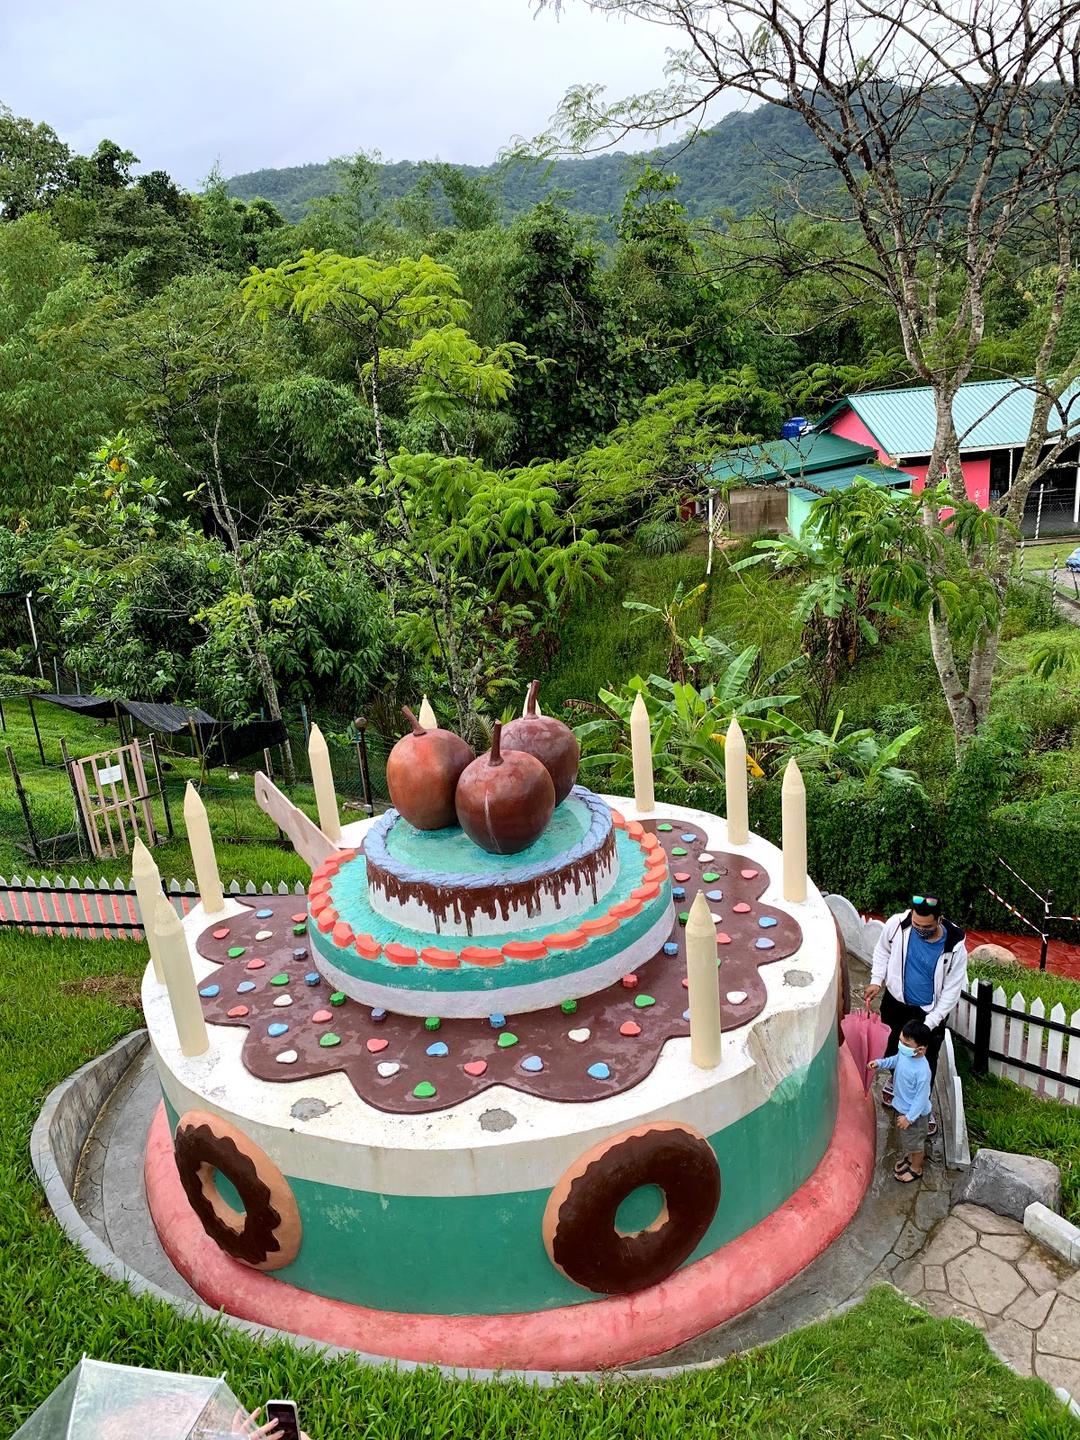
(111, 775)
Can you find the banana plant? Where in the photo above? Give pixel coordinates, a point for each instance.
(859, 753)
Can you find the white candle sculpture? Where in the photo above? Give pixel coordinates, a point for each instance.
(322, 777)
(427, 716)
(641, 752)
(703, 985)
(180, 980)
(201, 844)
(738, 825)
(793, 809)
(147, 881)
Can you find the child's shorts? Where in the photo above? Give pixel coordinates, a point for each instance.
(913, 1139)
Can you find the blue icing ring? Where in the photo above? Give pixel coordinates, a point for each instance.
(245, 986)
(767, 921)
(764, 944)
(439, 1047)
(278, 1028)
(209, 991)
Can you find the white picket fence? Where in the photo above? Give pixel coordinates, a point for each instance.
(98, 910)
(1026, 1045)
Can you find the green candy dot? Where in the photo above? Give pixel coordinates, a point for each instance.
(280, 980)
(425, 1090)
(709, 876)
(678, 850)
(329, 1040)
(684, 915)
(235, 952)
(299, 929)
(665, 827)
(643, 1001)
(338, 997)
(506, 1040)
(432, 1022)
(568, 1007)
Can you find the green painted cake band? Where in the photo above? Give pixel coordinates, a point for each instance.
(484, 1254)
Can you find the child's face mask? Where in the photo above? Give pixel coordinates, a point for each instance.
(906, 1050)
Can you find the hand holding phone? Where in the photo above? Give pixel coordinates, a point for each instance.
(283, 1414)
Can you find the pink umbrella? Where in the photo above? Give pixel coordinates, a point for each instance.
(866, 1036)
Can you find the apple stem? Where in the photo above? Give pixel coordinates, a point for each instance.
(417, 728)
(495, 758)
(530, 698)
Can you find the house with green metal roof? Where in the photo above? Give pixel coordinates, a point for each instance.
(993, 419)
(762, 481)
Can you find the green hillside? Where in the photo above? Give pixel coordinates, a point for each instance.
(729, 167)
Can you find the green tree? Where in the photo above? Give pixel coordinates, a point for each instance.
(33, 165)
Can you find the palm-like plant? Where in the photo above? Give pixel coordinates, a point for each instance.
(859, 753)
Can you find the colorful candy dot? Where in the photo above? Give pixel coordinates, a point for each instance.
(678, 892)
(245, 986)
(338, 997)
(741, 908)
(235, 951)
(629, 1027)
(709, 876)
(688, 838)
(506, 1040)
(629, 982)
(599, 1071)
(237, 1012)
(321, 1016)
(678, 850)
(736, 997)
(764, 944)
(665, 828)
(299, 918)
(375, 1046)
(578, 1036)
(681, 876)
(264, 914)
(329, 1040)
(568, 1007)
(255, 965)
(222, 933)
(532, 1064)
(264, 934)
(683, 916)
(281, 979)
(686, 1014)
(671, 947)
(312, 977)
(282, 1002)
(378, 1014)
(722, 938)
(643, 1001)
(278, 1028)
(749, 874)
(387, 1068)
(714, 894)
(299, 929)
(209, 991)
(496, 1021)
(705, 857)
(432, 1022)
(474, 1067)
(287, 1057)
(425, 1090)
(440, 1047)
(767, 922)
(301, 954)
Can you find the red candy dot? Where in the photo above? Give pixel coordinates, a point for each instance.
(475, 1067)
(221, 934)
(722, 938)
(321, 1016)
(237, 1012)
(681, 876)
(749, 874)
(629, 982)
(255, 965)
(742, 908)
(299, 918)
(629, 1027)
(376, 1045)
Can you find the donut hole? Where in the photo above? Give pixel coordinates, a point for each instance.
(223, 1197)
(641, 1209)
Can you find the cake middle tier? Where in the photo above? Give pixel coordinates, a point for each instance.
(439, 881)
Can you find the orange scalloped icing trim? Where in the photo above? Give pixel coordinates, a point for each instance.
(568, 940)
(625, 908)
(318, 903)
(618, 819)
(649, 841)
(524, 950)
(605, 925)
(367, 946)
(635, 829)
(649, 891)
(481, 955)
(343, 933)
(319, 884)
(400, 954)
(439, 958)
(327, 920)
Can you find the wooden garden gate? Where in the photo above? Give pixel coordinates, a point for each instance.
(111, 787)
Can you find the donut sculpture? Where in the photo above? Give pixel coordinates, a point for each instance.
(579, 1229)
(267, 1234)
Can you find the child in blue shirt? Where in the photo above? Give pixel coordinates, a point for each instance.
(911, 1097)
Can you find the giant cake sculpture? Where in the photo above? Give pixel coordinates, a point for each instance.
(536, 1078)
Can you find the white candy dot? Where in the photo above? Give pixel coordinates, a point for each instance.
(579, 1036)
(736, 997)
(287, 1057)
(282, 1000)
(386, 1068)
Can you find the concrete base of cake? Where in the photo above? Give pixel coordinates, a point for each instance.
(607, 1332)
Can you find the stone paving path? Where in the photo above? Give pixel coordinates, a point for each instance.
(986, 1269)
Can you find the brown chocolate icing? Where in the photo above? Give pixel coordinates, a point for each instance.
(542, 1033)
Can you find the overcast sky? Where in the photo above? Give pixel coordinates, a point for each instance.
(256, 83)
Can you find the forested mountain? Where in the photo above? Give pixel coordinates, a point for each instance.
(731, 167)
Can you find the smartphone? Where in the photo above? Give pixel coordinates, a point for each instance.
(284, 1412)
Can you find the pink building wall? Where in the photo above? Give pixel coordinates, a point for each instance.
(976, 471)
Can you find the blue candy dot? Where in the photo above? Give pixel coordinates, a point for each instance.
(312, 977)
(767, 921)
(764, 944)
(686, 1014)
(532, 1063)
(209, 991)
(245, 986)
(496, 1021)
(264, 914)
(688, 838)
(599, 1071)
(714, 894)
(378, 1013)
(277, 1029)
(300, 954)
(670, 947)
(439, 1047)
(678, 892)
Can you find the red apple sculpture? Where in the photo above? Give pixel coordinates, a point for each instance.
(504, 799)
(552, 742)
(422, 773)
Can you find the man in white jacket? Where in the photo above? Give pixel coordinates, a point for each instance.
(919, 969)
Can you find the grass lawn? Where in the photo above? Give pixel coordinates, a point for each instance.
(883, 1370)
